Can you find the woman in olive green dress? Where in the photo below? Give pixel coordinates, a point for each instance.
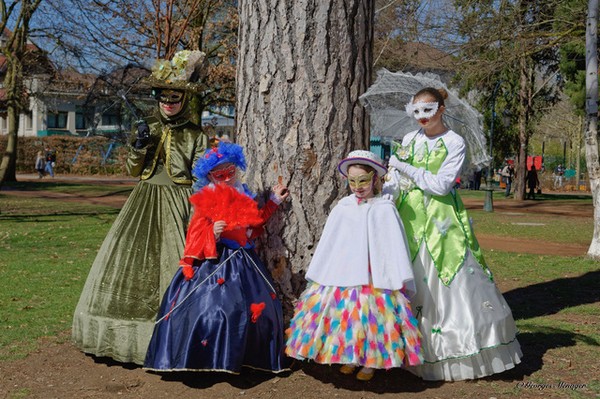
(117, 308)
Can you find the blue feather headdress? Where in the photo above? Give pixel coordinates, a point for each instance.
(224, 153)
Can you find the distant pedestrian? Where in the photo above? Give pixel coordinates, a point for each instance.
(477, 178)
(50, 161)
(533, 183)
(40, 164)
(558, 176)
(507, 174)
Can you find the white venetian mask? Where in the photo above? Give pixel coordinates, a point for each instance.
(421, 110)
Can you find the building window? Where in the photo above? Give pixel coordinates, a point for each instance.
(57, 120)
(28, 120)
(110, 120)
(83, 117)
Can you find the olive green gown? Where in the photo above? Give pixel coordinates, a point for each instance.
(140, 254)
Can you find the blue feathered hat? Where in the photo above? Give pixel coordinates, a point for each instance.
(223, 153)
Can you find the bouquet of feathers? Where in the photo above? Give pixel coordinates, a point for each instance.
(223, 202)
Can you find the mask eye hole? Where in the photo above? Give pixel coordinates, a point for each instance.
(360, 181)
(223, 174)
(169, 97)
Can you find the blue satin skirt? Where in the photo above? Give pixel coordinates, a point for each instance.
(226, 317)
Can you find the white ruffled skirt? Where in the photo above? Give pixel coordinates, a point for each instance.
(467, 328)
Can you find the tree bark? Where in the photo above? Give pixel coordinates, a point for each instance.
(14, 50)
(525, 99)
(301, 67)
(591, 133)
(13, 83)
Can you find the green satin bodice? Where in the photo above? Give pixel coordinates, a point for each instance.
(440, 221)
(177, 146)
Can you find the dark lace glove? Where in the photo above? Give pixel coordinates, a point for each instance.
(143, 135)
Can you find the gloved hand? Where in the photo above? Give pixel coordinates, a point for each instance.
(395, 162)
(388, 196)
(143, 135)
(188, 272)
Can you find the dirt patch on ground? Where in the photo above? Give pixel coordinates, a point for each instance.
(59, 370)
(531, 207)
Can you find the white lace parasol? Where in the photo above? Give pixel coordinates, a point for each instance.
(386, 98)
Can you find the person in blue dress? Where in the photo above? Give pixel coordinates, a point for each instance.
(221, 311)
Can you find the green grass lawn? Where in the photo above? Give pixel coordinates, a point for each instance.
(522, 224)
(47, 248)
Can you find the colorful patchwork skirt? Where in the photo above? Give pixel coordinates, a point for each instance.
(359, 325)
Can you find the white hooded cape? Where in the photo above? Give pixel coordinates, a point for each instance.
(358, 235)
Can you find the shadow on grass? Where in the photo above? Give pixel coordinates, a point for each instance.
(535, 344)
(47, 217)
(69, 188)
(391, 381)
(562, 197)
(550, 297)
(247, 379)
(37, 186)
(395, 380)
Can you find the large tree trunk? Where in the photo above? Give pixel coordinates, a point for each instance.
(12, 81)
(13, 50)
(591, 133)
(301, 68)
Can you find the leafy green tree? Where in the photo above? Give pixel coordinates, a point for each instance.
(15, 18)
(572, 54)
(514, 42)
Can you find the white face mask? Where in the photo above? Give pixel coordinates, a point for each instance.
(421, 110)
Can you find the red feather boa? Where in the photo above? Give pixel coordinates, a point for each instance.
(223, 202)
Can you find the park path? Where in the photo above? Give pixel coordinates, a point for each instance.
(487, 241)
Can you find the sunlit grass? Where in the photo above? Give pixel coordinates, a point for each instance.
(48, 246)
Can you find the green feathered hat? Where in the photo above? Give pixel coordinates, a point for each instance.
(180, 73)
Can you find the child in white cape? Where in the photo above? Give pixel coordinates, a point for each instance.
(355, 310)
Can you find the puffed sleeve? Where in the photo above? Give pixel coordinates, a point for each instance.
(442, 182)
(200, 242)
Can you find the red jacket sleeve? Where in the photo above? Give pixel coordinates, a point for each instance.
(199, 242)
(265, 212)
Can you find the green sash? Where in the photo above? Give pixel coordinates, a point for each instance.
(439, 220)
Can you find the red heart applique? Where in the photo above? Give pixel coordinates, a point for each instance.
(256, 309)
